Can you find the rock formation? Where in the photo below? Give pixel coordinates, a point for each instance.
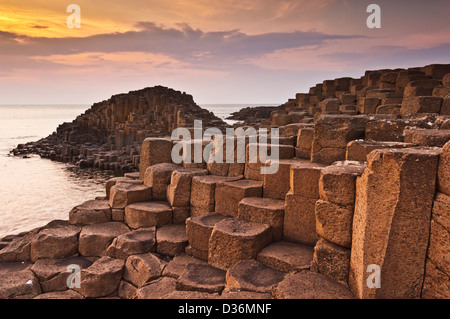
(253, 115)
(109, 134)
(359, 208)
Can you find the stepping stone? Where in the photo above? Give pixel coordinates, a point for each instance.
(337, 183)
(53, 274)
(334, 212)
(421, 87)
(329, 105)
(437, 71)
(368, 105)
(18, 281)
(300, 219)
(124, 194)
(140, 269)
(171, 240)
(117, 214)
(251, 275)
(148, 214)
(332, 133)
(264, 211)
(226, 169)
(234, 240)
(253, 164)
(219, 153)
(157, 177)
(389, 109)
(179, 190)
(203, 193)
(424, 137)
(180, 214)
(202, 254)
(304, 179)
(116, 180)
(154, 151)
(187, 152)
(351, 108)
(359, 149)
(201, 278)
(331, 260)
(229, 194)
(91, 212)
(60, 295)
(19, 249)
(199, 229)
(277, 185)
(102, 278)
(134, 175)
(392, 129)
(126, 290)
(304, 143)
(178, 265)
(286, 256)
(334, 222)
(95, 239)
(310, 285)
(157, 289)
(289, 132)
(420, 104)
(133, 243)
(55, 242)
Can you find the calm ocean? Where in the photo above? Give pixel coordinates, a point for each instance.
(34, 191)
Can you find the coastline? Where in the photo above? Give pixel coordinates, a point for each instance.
(215, 230)
(37, 205)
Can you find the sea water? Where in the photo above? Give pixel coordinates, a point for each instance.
(35, 191)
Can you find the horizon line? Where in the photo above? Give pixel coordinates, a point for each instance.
(83, 104)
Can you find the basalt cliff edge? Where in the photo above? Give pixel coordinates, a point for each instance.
(359, 207)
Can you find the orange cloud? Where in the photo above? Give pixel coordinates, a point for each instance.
(209, 46)
(47, 18)
(118, 58)
(130, 64)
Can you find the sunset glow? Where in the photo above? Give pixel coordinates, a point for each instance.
(248, 51)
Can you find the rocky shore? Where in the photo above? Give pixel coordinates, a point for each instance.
(359, 207)
(253, 115)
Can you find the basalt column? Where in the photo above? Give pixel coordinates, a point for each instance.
(391, 225)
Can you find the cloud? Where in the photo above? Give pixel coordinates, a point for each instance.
(139, 62)
(184, 43)
(392, 56)
(350, 56)
(35, 26)
(220, 51)
(180, 56)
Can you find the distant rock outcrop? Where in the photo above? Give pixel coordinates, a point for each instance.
(109, 134)
(253, 115)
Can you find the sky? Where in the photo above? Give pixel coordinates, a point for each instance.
(220, 51)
